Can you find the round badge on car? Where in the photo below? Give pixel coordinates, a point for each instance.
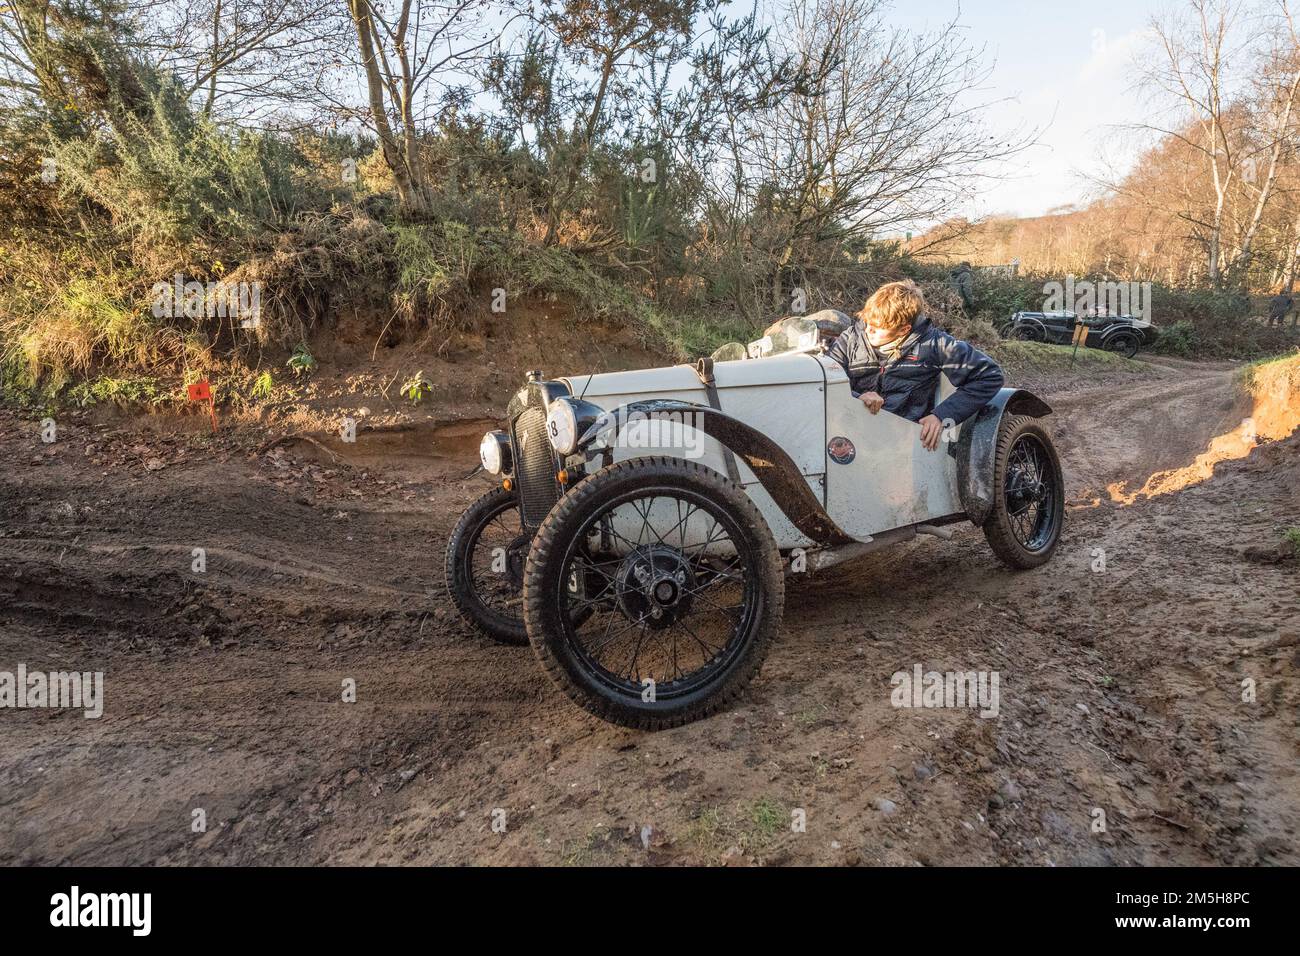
(840, 450)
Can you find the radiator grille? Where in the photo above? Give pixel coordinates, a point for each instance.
(535, 466)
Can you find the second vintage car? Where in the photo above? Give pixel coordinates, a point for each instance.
(1122, 334)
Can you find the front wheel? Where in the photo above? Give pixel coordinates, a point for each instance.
(485, 566)
(651, 592)
(1028, 333)
(1028, 513)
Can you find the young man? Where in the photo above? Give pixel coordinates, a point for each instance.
(1279, 306)
(894, 356)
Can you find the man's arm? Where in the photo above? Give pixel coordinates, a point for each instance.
(976, 377)
(840, 351)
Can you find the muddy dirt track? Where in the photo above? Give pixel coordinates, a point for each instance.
(1121, 690)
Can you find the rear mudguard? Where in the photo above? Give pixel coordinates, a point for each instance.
(775, 470)
(976, 449)
(1119, 330)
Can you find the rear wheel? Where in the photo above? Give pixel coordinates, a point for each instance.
(1028, 513)
(485, 566)
(651, 592)
(1123, 343)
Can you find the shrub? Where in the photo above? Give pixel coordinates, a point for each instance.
(301, 361)
(147, 187)
(416, 389)
(1213, 324)
(262, 387)
(134, 390)
(439, 265)
(53, 327)
(1177, 339)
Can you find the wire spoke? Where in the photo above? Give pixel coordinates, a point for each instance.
(621, 618)
(704, 644)
(636, 652)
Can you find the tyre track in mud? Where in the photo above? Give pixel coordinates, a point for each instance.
(228, 567)
(224, 693)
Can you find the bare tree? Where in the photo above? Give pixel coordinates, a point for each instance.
(247, 56)
(1277, 88)
(244, 60)
(1281, 88)
(1226, 78)
(407, 58)
(1197, 54)
(884, 130)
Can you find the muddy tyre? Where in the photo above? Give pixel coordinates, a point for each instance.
(1125, 344)
(1024, 526)
(652, 591)
(487, 584)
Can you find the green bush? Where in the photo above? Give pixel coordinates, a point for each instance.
(1213, 324)
(1177, 339)
(132, 390)
(146, 188)
(441, 265)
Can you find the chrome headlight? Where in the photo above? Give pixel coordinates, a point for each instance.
(570, 423)
(494, 452)
(562, 426)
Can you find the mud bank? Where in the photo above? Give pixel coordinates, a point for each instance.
(1270, 403)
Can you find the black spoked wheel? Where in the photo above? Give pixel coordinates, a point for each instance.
(1123, 343)
(1025, 524)
(485, 566)
(651, 591)
(1028, 333)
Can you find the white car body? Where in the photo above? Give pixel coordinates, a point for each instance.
(802, 402)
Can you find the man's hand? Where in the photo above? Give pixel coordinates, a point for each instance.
(873, 401)
(931, 429)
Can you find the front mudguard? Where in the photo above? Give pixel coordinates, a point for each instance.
(1038, 328)
(769, 462)
(977, 448)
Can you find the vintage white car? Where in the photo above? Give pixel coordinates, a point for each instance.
(644, 522)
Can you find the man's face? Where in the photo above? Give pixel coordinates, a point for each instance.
(879, 335)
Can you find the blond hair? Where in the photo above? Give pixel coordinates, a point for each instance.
(894, 305)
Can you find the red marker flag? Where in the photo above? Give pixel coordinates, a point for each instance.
(201, 391)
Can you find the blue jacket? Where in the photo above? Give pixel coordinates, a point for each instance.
(908, 384)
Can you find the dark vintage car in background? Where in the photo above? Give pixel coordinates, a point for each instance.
(1123, 334)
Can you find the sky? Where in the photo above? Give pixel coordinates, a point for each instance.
(1063, 67)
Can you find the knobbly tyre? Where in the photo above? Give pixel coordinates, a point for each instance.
(643, 522)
